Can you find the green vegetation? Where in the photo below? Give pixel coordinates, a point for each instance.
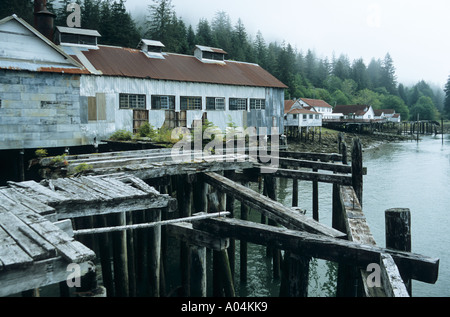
(83, 167)
(40, 153)
(60, 159)
(336, 79)
(121, 135)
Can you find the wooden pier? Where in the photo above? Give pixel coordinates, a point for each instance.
(146, 197)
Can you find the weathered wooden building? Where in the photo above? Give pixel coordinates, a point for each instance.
(131, 86)
(76, 92)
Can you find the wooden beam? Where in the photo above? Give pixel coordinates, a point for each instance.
(274, 210)
(324, 157)
(319, 246)
(41, 273)
(187, 233)
(309, 176)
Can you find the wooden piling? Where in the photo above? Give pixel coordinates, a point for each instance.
(243, 246)
(357, 169)
(398, 235)
(270, 185)
(120, 256)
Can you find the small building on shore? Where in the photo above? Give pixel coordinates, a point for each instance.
(317, 105)
(355, 112)
(299, 119)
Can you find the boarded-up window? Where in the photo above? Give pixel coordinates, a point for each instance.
(97, 108)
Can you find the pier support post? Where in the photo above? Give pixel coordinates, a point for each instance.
(357, 169)
(398, 235)
(120, 256)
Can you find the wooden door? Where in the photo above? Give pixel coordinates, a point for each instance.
(139, 118)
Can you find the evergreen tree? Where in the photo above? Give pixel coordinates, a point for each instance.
(221, 30)
(447, 97)
(388, 77)
(359, 74)
(204, 34)
(161, 14)
(22, 8)
(260, 50)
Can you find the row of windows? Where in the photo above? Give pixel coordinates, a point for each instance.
(305, 116)
(128, 101)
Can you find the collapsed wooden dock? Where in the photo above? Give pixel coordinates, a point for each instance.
(146, 197)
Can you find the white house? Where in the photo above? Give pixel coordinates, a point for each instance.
(388, 115)
(317, 105)
(355, 112)
(296, 115)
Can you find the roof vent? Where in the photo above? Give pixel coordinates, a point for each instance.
(76, 36)
(152, 49)
(210, 54)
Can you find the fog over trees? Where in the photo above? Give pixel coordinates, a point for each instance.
(336, 79)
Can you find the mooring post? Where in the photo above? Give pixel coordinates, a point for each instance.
(357, 169)
(315, 193)
(295, 192)
(398, 235)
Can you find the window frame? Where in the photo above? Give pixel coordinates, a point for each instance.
(156, 102)
(212, 103)
(135, 104)
(257, 104)
(191, 103)
(237, 106)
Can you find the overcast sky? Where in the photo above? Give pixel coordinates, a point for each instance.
(414, 32)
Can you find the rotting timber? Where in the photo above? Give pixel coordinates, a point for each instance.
(212, 186)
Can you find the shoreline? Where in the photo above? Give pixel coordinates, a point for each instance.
(329, 143)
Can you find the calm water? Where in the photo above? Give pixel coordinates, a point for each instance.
(406, 174)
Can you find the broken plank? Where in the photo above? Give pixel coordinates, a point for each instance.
(39, 190)
(276, 211)
(70, 249)
(319, 246)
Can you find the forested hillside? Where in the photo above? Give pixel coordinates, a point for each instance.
(336, 79)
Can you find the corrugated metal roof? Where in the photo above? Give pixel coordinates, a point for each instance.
(316, 103)
(63, 29)
(358, 110)
(118, 61)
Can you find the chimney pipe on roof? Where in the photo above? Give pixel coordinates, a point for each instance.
(43, 19)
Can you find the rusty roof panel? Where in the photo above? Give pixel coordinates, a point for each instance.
(117, 61)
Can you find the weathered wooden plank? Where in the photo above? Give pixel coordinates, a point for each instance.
(33, 244)
(276, 211)
(324, 157)
(12, 256)
(70, 249)
(291, 162)
(391, 279)
(139, 183)
(150, 171)
(319, 246)
(33, 204)
(309, 176)
(40, 274)
(75, 189)
(187, 233)
(39, 190)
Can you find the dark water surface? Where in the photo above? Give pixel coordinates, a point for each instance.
(404, 174)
